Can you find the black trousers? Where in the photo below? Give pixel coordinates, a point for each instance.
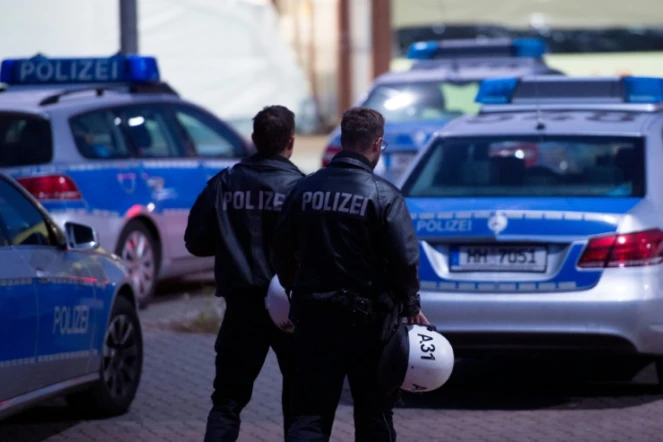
(330, 345)
(246, 334)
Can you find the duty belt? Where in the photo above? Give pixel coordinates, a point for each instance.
(346, 301)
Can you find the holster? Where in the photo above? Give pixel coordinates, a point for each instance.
(391, 319)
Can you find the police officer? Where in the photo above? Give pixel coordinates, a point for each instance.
(346, 249)
(234, 219)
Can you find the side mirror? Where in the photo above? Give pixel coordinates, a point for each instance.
(80, 236)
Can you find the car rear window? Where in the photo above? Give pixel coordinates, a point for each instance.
(530, 166)
(24, 140)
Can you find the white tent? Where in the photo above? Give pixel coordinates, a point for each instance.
(227, 55)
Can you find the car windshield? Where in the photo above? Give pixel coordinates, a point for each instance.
(24, 140)
(530, 167)
(438, 100)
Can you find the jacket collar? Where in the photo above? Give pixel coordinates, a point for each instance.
(348, 158)
(276, 161)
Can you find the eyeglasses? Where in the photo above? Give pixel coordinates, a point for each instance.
(383, 146)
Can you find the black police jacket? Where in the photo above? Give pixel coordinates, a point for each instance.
(234, 219)
(345, 228)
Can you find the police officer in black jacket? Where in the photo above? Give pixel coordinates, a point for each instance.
(234, 219)
(346, 248)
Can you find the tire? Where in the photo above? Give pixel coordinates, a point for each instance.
(658, 365)
(120, 359)
(141, 254)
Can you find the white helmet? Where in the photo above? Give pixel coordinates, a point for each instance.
(431, 360)
(417, 358)
(278, 305)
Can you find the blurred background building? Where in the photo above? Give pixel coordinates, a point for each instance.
(320, 56)
(586, 37)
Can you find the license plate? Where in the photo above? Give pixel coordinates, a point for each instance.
(498, 259)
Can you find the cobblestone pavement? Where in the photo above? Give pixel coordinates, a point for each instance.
(485, 401)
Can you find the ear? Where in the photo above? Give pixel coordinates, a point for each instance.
(290, 146)
(377, 145)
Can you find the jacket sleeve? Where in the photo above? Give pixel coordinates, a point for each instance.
(201, 232)
(403, 254)
(284, 258)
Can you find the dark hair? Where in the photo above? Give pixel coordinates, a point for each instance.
(361, 126)
(273, 127)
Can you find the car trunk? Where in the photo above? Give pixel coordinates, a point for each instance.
(512, 245)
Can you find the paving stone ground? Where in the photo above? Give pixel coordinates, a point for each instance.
(484, 401)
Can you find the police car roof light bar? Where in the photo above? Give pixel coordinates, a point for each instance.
(478, 48)
(496, 90)
(557, 89)
(643, 89)
(40, 70)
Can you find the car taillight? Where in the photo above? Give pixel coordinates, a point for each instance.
(628, 250)
(51, 187)
(329, 154)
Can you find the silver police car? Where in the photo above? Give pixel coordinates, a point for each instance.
(105, 142)
(540, 219)
(440, 86)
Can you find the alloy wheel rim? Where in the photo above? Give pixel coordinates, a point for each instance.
(120, 358)
(138, 257)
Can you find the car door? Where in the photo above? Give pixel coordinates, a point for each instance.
(18, 313)
(216, 144)
(172, 172)
(109, 178)
(64, 287)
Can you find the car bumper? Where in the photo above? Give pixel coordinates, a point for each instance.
(622, 313)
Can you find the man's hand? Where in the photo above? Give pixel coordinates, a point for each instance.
(418, 319)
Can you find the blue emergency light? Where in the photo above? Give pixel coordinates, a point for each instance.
(40, 70)
(496, 90)
(643, 89)
(519, 47)
(562, 89)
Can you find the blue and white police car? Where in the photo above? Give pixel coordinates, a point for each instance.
(68, 318)
(103, 141)
(540, 219)
(440, 86)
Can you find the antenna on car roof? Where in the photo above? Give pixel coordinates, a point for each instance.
(539, 120)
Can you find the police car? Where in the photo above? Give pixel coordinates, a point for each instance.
(540, 218)
(440, 86)
(68, 319)
(103, 141)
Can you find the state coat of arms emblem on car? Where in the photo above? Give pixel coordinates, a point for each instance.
(497, 222)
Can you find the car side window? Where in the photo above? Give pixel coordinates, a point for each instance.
(21, 223)
(24, 140)
(209, 137)
(98, 135)
(149, 132)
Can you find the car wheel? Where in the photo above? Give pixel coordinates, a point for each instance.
(658, 364)
(140, 252)
(121, 366)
